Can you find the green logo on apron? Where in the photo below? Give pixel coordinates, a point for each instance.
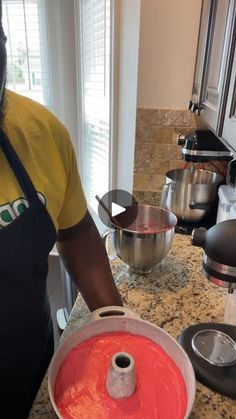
(10, 211)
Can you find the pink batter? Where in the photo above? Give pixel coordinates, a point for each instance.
(151, 227)
(80, 390)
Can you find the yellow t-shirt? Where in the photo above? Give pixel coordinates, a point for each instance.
(44, 148)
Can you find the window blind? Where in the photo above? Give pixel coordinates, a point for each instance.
(95, 21)
(25, 27)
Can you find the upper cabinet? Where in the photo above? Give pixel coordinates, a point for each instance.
(200, 65)
(214, 80)
(217, 61)
(229, 121)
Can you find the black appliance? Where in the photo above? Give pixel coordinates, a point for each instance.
(201, 146)
(219, 259)
(212, 346)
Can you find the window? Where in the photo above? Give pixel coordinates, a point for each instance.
(108, 32)
(25, 26)
(95, 94)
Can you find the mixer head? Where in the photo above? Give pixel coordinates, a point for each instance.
(219, 261)
(202, 146)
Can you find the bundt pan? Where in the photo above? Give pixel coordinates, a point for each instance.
(126, 380)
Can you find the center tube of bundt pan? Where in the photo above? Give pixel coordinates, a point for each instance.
(121, 376)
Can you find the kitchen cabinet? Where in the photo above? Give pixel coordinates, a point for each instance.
(213, 93)
(217, 62)
(200, 65)
(229, 121)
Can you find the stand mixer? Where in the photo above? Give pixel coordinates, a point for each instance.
(219, 259)
(212, 346)
(191, 192)
(219, 244)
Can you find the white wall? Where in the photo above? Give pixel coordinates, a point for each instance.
(168, 43)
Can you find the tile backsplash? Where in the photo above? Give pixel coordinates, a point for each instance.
(156, 149)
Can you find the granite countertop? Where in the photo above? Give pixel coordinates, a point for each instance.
(174, 295)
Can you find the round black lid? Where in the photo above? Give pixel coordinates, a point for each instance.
(220, 379)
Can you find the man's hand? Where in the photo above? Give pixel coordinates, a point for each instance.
(84, 256)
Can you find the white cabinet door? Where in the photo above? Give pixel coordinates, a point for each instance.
(229, 123)
(220, 39)
(202, 48)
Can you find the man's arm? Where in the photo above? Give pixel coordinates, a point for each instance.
(85, 259)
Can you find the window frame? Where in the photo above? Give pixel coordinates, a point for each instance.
(122, 116)
(81, 143)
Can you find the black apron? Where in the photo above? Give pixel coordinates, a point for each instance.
(26, 335)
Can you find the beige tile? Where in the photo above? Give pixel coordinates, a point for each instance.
(165, 151)
(143, 125)
(177, 164)
(162, 135)
(159, 167)
(148, 182)
(142, 157)
(152, 167)
(147, 197)
(143, 131)
(160, 151)
(142, 181)
(165, 117)
(142, 151)
(176, 152)
(171, 118)
(144, 114)
(156, 149)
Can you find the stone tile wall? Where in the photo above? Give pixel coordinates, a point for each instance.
(156, 149)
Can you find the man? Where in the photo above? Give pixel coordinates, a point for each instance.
(41, 202)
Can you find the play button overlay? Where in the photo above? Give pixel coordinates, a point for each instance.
(121, 206)
(116, 209)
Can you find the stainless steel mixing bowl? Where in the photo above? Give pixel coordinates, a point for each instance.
(147, 240)
(190, 193)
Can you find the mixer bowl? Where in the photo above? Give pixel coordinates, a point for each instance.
(120, 319)
(147, 240)
(190, 193)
